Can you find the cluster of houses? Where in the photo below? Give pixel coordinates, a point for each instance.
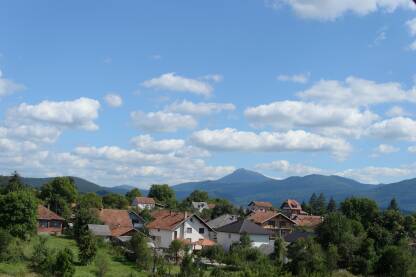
(262, 224)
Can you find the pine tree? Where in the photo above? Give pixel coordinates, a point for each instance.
(312, 203)
(87, 245)
(332, 206)
(321, 204)
(393, 205)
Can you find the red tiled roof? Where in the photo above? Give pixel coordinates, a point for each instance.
(166, 220)
(118, 221)
(307, 220)
(261, 217)
(262, 204)
(45, 213)
(293, 204)
(204, 242)
(145, 200)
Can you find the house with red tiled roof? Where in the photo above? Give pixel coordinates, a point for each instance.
(48, 221)
(262, 206)
(279, 223)
(169, 225)
(307, 221)
(292, 207)
(118, 221)
(143, 203)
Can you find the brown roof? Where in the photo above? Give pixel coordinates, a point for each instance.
(261, 217)
(204, 242)
(45, 213)
(262, 204)
(166, 220)
(118, 220)
(145, 200)
(293, 204)
(307, 220)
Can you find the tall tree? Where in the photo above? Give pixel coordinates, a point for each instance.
(59, 194)
(321, 204)
(133, 194)
(115, 201)
(18, 213)
(393, 205)
(394, 262)
(142, 252)
(87, 245)
(363, 210)
(313, 203)
(163, 194)
(332, 206)
(84, 215)
(64, 264)
(15, 183)
(306, 258)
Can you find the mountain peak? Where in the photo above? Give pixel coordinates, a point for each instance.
(243, 175)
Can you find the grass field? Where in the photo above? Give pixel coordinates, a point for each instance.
(118, 265)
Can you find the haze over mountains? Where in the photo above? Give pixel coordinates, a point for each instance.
(243, 185)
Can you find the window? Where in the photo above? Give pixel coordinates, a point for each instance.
(189, 230)
(55, 224)
(229, 236)
(175, 235)
(201, 230)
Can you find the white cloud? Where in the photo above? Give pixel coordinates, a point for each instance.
(173, 82)
(411, 25)
(332, 9)
(396, 111)
(146, 143)
(162, 121)
(197, 109)
(287, 168)
(301, 78)
(374, 175)
(357, 92)
(412, 149)
(329, 119)
(213, 77)
(113, 100)
(8, 86)
(229, 139)
(403, 128)
(79, 113)
(386, 149)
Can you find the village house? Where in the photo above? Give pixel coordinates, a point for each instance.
(231, 233)
(200, 206)
(278, 223)
(118, 221)
(99, 230)
(222, 220)
(292, 207)
(48, 221)
(261, 206)
(137, 220)
(142, 203)
(168, 226)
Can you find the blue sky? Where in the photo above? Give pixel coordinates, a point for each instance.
(138, 92)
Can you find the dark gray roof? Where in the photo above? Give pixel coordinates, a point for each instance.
(244, 226)
(99, 230)
(295, 235)
(222, 220)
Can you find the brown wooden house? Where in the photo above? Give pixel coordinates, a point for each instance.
(48, 221)
(277, 222)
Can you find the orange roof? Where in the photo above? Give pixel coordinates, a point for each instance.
(307, 220)
(145, 200)
(262, 204)
(211, 206)
(205, 242)
(118, 221)
(45, 213)
(261, 217)
(166, 220)
(293, 204)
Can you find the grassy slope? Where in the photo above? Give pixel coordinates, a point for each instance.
(117, 267)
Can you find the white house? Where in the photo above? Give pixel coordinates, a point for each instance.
(143, 203)
(200, 206)
(259, 206)
(168, 226)
(231, 233)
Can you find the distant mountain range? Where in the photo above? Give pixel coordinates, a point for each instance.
(243, 185)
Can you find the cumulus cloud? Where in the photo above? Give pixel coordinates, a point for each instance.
(8, 86)
(332, 9)
(412, 149)
(146, 143)
(374, 174)
(79, 113)
(229, 139)
(329, 119)
(198, 109)
(411, 25)
(173, 82)
(402, 128)
(287, 168)
(113, 100)
(396, 111)
(385, 149)
(301, 78)
(162, 121)
(357, 92)
(213, 77)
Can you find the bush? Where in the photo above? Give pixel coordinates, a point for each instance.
(42, 258)
(102, 264)
(5, 240)
(87, 248)
(64, 264)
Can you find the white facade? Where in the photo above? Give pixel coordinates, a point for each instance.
(142, 206)
(227, 239)
(192, 229)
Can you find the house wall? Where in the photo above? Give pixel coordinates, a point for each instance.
(227, 239)
(195, 225)
(162, 238)
(145, 206)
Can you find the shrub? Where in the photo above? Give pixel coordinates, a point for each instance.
(102, 264)
(64, 264)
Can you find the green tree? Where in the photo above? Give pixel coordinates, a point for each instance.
(64, 264)
(59, 194)
(90, 200)
(5, 240)
(321, 205)
(222, 206)
(214, 253)
(245, 241)
(188, 268)
(174, 248)
(393, 205)
(14, 184)
(141, 250)
(84, 215)
(133, 194)
(115, 201)
(306, 257)
(163, 194)
(332, 258)
(394, 262)
(18, 213)
(313, 203)
(43, 257)
(363, 210)
(87, 245)
(279, 251)
(102, 264)
(332, 206)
